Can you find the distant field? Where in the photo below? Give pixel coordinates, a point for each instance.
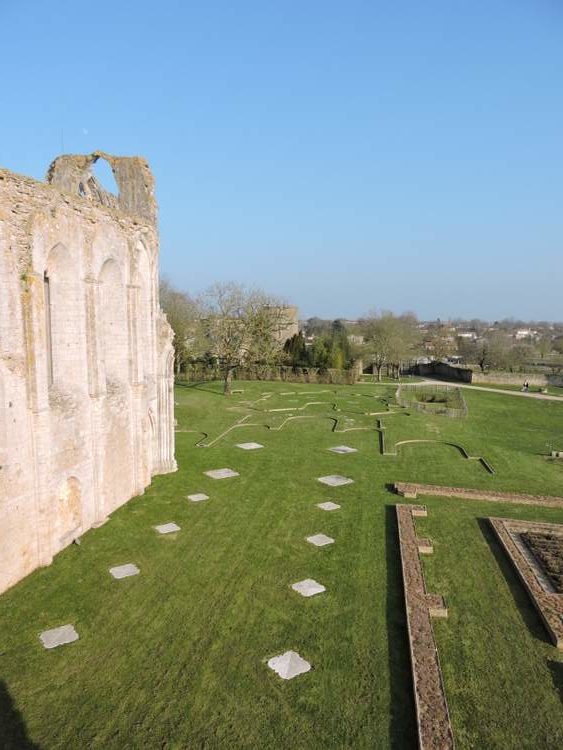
(176, 657)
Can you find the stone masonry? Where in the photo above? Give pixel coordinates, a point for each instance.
(86, 356)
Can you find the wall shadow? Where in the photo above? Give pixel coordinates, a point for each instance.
(201, 386)
(525, 606)
(13, 732)
(402, 726)
(556, 669)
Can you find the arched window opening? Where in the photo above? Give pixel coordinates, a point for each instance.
(145, 335)
(48, 328)
(3, 420)
(99, 185)
(64, 319)
(103, 174)
(115, 339)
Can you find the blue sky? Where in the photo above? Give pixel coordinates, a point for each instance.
(400, 155)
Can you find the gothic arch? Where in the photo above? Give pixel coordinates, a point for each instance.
(114, 323)
(64, 317)
(3, 417)
(142, 277)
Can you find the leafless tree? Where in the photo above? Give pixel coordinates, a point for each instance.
(242, 326)
(183, 313)
(389, 340)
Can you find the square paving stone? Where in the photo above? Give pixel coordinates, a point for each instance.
(249, 446)
(343, 449)
(124, 571)
(289, 665)
(167, 528)
(335, 480)
(58, 636)
(308, 587)
(198, 497)
(320, 540)
(221, 473)
(329, 505)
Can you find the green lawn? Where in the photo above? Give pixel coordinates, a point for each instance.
(176, 657)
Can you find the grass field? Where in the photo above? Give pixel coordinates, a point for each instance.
(176, 657)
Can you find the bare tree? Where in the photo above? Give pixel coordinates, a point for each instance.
(441, 341)
(242, 326)
(183, 313)
(389, 339)
(544, 346)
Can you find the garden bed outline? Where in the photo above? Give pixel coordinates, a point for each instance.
(548, 603)
(411, 490)
(432, 714)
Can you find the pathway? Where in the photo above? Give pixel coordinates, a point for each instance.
(541, 396)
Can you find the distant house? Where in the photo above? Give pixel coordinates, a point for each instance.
(525, 333)
(289, 324)
(354, 338)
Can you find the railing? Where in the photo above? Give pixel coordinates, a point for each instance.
(415, 397)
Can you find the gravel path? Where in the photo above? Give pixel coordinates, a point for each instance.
(541, 396)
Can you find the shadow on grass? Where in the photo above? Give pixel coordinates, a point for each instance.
(203, 385)
(556, 669)
(523, 603)
(402, 726)
(13, 732)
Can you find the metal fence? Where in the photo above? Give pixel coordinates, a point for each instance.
(454, 406)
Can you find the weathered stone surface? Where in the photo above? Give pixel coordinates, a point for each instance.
(198, 497)
(58, 636)
(343, 449)
(124, 571)
(308, 587)
(249, 446)
(221, 473)
(433, 719)
(167, 528)
(531, 571)
(86, 356)
(289, 665)
(329, 505)
(335, 480)
(411, 490)
(320, 540)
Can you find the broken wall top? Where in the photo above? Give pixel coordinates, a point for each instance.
(72, 173)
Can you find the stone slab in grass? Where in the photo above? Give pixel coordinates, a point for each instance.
(343, 449)
(320, 540)
(167, 528)
(335, 480)
(329, 505)
(124, 571)
(289, 665)
(249, 446)
(308, 587)
(221, 473)
(58, 636)
(198, 497)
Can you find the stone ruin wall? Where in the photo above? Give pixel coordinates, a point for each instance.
(86, 357)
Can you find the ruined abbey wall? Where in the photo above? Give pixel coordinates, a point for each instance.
(86, 358)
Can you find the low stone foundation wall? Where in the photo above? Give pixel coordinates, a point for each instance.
(548, 603)
(433, 719)
(510, 378)
(412, 490)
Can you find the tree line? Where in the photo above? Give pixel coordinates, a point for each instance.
(231, 326)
